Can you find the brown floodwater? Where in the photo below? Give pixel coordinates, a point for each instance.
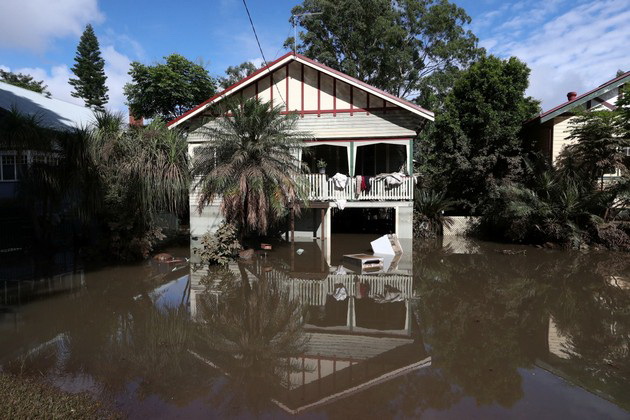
(454, 329)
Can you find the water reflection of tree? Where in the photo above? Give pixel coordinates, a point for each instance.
(114, 335)
(486, 315)
(251, 329)
(592, 311)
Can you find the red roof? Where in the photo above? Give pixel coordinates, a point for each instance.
(314, 63)
(576, 100)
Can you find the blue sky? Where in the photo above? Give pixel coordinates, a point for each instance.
(568, 44)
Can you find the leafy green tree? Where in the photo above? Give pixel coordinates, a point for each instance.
(167, 90)
(598, 148)
(393, 45)
(623, 113)
(234, 74)
(476, 140)
(248, 160)
(89, 68)
(24, 81)
(145, 172)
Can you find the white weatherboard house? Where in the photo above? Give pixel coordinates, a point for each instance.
(552, 128)
(360, 131)
(49, 112)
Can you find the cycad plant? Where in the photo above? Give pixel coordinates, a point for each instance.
(553, 209)
(249, 161)
(429, 208)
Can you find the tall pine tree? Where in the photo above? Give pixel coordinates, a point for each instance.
(90, 71)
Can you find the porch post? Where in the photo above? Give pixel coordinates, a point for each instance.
(409, 148)
(323, 217)
(328, 233)
(351, 163)
(292, 224)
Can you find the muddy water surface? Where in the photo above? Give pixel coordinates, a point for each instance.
(454, 329)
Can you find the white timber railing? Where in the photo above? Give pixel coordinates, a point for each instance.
(314, 292)
(322, 188)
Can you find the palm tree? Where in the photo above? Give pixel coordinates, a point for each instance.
(145, 172)
(249, 161)
(122, 178)
(251, 331)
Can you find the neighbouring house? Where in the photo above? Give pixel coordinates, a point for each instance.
(552, 128)
(361, 132)
(50, 113)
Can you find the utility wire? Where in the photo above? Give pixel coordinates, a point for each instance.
(261, 52)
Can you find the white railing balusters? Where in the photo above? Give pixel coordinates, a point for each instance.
(322, 188)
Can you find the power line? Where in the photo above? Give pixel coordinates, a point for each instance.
(261, 51)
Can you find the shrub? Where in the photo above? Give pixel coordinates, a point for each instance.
(219, 248)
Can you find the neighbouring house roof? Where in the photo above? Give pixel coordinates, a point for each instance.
(291, 56)
(582, 99)
(52, 113)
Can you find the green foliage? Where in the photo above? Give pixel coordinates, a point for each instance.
(145, 172)
(24, 81)
(89, 69)
(119, 178)
(394, 45)
(428, 212)
(598, 148)
(28, 398)
(623, 112)
(234, 74)
(167, 90)
(248, 160)
(219, 248)
(476, 141)
(555, 209)
(321, 163)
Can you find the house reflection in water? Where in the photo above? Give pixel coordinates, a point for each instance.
(360, 328)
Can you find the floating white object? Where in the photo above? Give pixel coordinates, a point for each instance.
(300, 251)
(387, 245)
(363, 263)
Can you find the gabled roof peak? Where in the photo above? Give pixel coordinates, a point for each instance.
(292, 56)
(580, 99)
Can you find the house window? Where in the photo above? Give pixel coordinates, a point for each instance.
(11, 166)
(8, 169)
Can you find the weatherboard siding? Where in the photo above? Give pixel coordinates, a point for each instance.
(561, 133)
(343, 126)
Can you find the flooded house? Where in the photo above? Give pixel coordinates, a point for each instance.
(551, 129)
(364, 135)
(49, 113)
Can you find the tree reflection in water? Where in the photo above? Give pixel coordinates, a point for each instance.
(120, 345)
(250, 329)
(486, 315)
